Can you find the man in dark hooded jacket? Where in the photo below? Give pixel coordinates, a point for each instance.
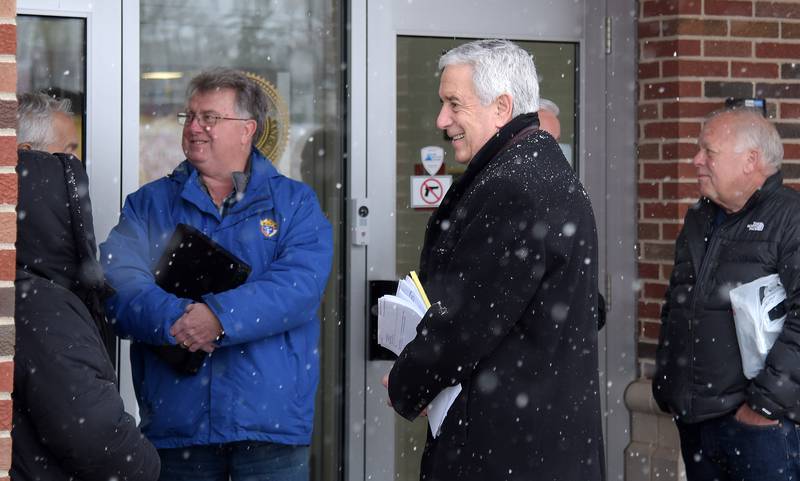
(68, 418)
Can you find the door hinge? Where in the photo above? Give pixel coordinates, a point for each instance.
(608, 26)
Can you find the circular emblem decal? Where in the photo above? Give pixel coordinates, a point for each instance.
(273, 140)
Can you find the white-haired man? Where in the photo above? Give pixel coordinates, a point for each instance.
(548, 118)
(510, 263)
(45, 123)
(746, 225)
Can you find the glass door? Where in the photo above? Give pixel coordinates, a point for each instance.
(394, 81)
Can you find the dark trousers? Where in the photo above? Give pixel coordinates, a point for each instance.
(724, 449)
(242, 461)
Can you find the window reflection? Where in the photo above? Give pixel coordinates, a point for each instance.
(51, 58)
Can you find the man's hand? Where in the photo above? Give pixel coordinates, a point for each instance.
(385, 382)
(197, 329)
(745, 415)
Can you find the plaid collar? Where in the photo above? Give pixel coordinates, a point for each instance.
(240, 181)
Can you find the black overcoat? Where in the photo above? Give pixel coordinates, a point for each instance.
(510, 263)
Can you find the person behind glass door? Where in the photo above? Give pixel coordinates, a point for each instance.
(510, 263)
(746, 225)
(45, 123)
(69, 421)
(248, 413)
(548, 118)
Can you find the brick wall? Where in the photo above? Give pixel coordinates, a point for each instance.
(8, 221)
(692, 55)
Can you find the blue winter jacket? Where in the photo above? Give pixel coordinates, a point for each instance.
(260, 383)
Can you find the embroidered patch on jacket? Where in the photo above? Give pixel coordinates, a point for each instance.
(756, 226)
(269, 228)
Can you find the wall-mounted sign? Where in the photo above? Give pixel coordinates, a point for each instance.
(428, 191)
(432, 158)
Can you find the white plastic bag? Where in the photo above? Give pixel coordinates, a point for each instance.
(755, 331)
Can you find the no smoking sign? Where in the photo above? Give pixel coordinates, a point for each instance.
(428, 191)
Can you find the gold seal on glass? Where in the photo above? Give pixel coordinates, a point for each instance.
(273, 140)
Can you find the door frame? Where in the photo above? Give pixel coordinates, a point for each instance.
(606, 108)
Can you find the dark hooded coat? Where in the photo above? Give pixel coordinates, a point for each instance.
(510, 263)
(68, 418)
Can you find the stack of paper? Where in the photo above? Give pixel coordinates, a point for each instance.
(398, 317)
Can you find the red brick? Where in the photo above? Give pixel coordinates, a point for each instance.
(670, 231)
(723, 48)
(728, 8)
(659, 251)
(670, 48)
(790, 111)
(778, 9)
(791, 151)
(648, 151)
(649, 70)
(673, 89)
(667, 170)
(693, 26)
(5, 454)
(680, 190)
(8, 261)
(671, 7)
(8, 9)
(648, 270)
(778, 50)
(8, 151)
(654, 290)
(649, 29)
(6, 374)
(666, 269)
(5, 415)
(672, 110)
(8, 39)
(650, 330)
(8, 188)
(8, 229)
(650, 309)
(664, 210)
(754, 29)
(648, 231)
(648, 190)
(671, 130)
(754, 70)
(678, 151)
(790, 30)
(8, 77)
(648, 111)
(694, 68)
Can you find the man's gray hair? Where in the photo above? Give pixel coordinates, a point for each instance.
(499, 67)
(550, 106)
(35, 118)
(251, 101)
(752, 131)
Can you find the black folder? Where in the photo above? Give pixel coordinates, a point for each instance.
(191, 266)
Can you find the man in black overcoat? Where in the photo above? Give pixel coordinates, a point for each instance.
(510, 265)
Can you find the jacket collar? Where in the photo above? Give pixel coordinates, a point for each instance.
(259, 187)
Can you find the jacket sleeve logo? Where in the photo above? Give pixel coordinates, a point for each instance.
(269, 228)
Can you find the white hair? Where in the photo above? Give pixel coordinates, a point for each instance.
(550, 106)
(752, 131)
(499, 67)
(35, 118)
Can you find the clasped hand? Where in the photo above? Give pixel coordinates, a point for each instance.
(197, 329)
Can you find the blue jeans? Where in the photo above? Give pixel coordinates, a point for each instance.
(241, 461)
(724, 449)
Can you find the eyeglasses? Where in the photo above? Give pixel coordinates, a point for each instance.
(204, 120)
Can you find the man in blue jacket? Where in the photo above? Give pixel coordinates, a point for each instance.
(247, 413)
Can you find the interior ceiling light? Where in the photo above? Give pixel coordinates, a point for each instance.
(161, 75)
